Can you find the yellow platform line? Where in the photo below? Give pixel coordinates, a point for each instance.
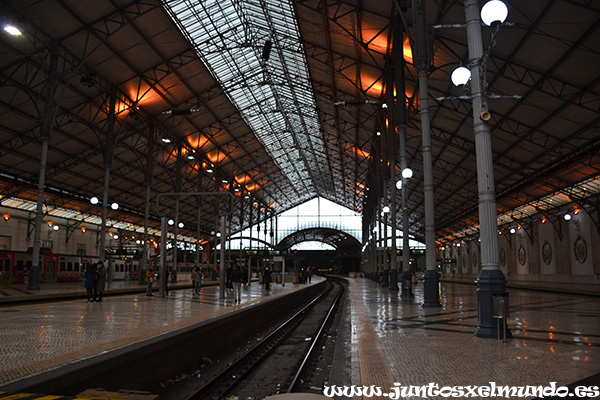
(31, 396)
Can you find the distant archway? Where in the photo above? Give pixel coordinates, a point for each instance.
(339, 240)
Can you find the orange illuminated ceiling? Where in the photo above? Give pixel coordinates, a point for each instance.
(141, 93)
(407, 50)
(197, 140)
(359, 152)
(216, 156)
(374, 38)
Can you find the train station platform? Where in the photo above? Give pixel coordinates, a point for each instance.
(41, 336)
(556, 338)
(391, 340)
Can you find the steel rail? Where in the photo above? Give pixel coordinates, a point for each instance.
(316, 338)
(254, 355)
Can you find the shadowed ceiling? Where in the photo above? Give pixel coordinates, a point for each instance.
(278, 102)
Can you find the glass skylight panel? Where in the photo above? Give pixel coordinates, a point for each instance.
(229, 36)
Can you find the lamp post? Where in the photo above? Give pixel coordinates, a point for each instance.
(430, 276)
(406, 272)
(386, 265)
(45, 132)
(490, 279)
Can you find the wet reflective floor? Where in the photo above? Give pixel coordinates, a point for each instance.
(556, 338)
(39, 337)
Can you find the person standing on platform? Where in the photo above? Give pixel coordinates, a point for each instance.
(90, 282)
(166, 281)
(100, 281)
(236, 278)
(197, 280)
(149, 281)
(228, 281)
(267, 278)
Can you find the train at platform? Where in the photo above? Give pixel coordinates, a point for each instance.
(15, 267)
(122, 265)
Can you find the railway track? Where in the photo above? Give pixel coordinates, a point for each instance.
(279, 363)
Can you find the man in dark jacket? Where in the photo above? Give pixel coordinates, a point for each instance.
(267, 278)
(100, 281)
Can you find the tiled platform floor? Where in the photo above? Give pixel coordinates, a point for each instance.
(556, 338)
(39, 337)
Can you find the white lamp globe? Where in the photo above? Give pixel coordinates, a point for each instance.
(494, 12)
(170, 222)
(94, 200)
(114, 206)
(386, 209)
(399, 184)
(407, 173)
(567, 217)
(55, 227)
(461, 76)
(180, 225)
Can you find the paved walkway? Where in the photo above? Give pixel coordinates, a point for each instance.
(556, 338)
(42, 336)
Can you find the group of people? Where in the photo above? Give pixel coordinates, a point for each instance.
(95, 280)
(304, 276)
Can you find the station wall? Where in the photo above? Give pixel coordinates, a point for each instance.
(557, 251)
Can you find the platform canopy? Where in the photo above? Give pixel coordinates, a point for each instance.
(280, 102)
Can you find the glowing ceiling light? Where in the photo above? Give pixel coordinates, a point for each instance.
(461, 76)
(494, 13)
(12, 30)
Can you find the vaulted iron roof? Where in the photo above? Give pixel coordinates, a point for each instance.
(280, 127)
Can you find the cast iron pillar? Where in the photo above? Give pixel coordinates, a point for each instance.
(490, 279)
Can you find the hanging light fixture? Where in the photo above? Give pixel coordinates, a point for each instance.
(494, 13)
(407, 173)
(12, 30)
(114, 206)
(460, 76)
